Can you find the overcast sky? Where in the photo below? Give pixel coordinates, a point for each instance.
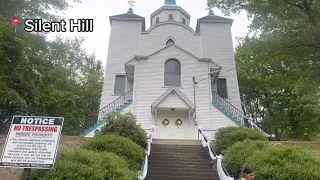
(100, 10)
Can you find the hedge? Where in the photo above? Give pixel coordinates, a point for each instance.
(236, 156)
(86, 165)
(124, 147)
(226, 137)
(284, 163)
(125, 125)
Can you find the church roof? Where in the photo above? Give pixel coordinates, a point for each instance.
(211, 17)
(129, 16)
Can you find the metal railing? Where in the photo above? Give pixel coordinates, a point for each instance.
(222, 172)
(144, 168)
(236, 113)
(114, 105)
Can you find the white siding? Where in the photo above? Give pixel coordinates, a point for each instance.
(217, 44)
(151, 84)
(164, 16)
(156, 39)
(121, 49)
(173, 101)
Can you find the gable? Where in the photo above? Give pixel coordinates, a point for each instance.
(172, 98)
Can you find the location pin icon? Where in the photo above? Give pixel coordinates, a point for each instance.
(15, 21)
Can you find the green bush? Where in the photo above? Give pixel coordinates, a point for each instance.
(124, 147)
(125, 125)
(236, 155)
(86, 165)
(226, 137)
(284, 163)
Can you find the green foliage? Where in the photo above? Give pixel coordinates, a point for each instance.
(125, 125)
(86, 165)
(121, 146)
(41, 77)
(236, 155)
(228, 136)
(278, 66)
(284, 163)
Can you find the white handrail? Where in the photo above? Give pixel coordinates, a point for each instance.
(221, 173)
(146, 159)
(207, 143)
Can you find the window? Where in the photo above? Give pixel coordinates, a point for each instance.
(119, 85)
(170, 17)
(157, 20)
(170, 41)
(222, 87)
(172, 73)
(183, 20)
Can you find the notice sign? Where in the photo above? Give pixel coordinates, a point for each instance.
(32, 142)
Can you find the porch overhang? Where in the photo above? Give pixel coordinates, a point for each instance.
(130, 66)
(173, 98)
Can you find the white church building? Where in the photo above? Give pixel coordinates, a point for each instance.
(171, 76)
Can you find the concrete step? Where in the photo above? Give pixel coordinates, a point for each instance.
(176, 141)
(180, 161)
(165, 177)
(183, 173)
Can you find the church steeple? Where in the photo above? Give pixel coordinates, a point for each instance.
(169, 2)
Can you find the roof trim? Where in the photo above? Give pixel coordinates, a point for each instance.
(166, 93)
(170, 7)
(134, 17)
(170, 22)
(212, 19)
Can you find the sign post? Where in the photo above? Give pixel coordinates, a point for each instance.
(32, 142)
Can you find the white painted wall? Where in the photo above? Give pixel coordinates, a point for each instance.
(124, 43)
(217, 44)
(184, 37)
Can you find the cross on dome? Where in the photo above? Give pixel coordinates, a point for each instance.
(131, 4)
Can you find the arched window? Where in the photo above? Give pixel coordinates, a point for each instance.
(183, 20)
(157, 20)
(170, 41)
(170, 17)
(172, 73)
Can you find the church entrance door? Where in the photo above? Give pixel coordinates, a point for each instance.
(171, 127)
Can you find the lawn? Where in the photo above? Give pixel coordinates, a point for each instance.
(312, 146)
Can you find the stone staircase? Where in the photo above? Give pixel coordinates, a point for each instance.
(179, 160)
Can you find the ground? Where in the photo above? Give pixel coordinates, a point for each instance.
(75, 141)
(14, 174)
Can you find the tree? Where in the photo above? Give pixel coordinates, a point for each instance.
(278, 67)
(49, 78)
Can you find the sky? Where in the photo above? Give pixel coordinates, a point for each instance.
(98, 40)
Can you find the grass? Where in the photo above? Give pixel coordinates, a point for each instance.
(311, 146)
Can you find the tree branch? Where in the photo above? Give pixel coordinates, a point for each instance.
(295, 5)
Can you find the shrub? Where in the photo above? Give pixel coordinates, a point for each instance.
(236, 156)
(124, 147)
(86, 165)
(226, 137)
(284, 163)
(125, 125)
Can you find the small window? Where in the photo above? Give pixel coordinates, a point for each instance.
(183, 20)
(119, 85)
(222, 88)
(170, 41)
(170, 17)
(157, 20)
